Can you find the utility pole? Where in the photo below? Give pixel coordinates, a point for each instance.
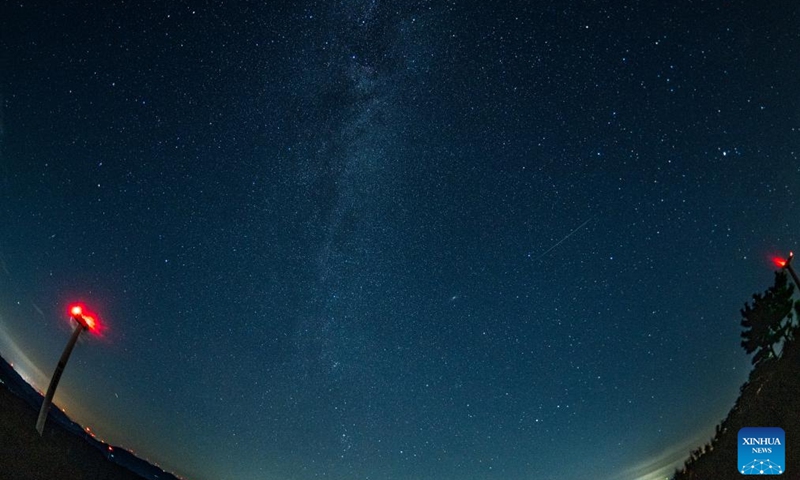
(85, 322)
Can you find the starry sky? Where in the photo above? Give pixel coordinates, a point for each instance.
(406, 240)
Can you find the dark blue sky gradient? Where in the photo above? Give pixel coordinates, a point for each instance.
(410, 240)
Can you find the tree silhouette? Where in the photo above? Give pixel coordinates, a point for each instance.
(769, 320)
(769, 396)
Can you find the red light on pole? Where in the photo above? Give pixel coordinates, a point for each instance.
(787, 264)
(84, 318)
(90, 322)
(85, 322)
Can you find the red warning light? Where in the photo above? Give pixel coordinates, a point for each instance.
(85, 318)
(779, 262)
(90, 322)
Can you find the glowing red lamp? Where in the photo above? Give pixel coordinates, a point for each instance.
(90, 322)
(84, 319)
(787, 264)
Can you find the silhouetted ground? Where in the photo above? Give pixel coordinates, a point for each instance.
(65, 451)
(770, 398)
(57, 454)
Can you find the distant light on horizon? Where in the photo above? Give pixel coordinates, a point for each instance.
(19, 360)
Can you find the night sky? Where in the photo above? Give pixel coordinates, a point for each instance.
(396, 241)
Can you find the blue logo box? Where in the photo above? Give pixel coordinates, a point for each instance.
(762, 451)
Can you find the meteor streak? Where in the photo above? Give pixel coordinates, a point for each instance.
(564, 239)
